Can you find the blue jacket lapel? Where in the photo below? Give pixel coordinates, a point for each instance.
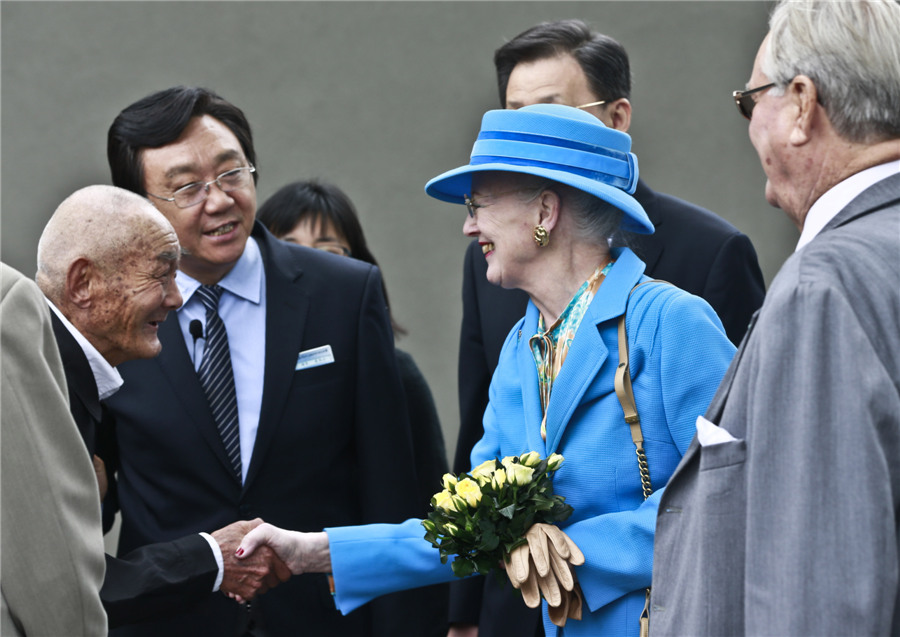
(588, 353)
(531, 395)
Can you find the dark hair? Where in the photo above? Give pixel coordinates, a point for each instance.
(603, 60)
(319, 202)
(159, 119)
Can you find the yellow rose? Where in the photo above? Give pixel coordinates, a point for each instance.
(470, 491)
(530, 459)
(444, 500)
(482, 473)
(459, 503)
(519, 474)
(508, 461)
(554, 461)
(451, 528)
(449, 480)
(499, 479)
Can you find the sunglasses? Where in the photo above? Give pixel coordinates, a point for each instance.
(745, 100)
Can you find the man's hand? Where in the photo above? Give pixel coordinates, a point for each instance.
(102, 482)
(245, 579)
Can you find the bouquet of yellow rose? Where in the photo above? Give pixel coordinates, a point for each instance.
(481, 516)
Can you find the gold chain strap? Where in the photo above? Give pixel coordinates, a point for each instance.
(629, 409)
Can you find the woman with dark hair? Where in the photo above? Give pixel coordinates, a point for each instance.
(317, 214)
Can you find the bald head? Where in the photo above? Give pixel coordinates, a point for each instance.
(107, 261)
(99, 223)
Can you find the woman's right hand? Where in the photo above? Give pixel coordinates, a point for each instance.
(301, 552)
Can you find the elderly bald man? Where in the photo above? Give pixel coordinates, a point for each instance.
(107, 261)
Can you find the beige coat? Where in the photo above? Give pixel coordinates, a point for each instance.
(51, 543)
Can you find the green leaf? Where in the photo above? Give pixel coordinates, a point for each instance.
(508, 511)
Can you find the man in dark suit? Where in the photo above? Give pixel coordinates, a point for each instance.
(565, 62)
(106, 263)
(314, 431)
(783, 516)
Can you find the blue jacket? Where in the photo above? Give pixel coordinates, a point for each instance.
(678, 352)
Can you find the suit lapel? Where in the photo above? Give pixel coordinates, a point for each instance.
(287, 305)
(178, 370)
(531, 395)
(84, 399)
(79, 376)
(879, 195)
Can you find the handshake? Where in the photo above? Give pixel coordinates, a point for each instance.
(258, 556)
(244, 579)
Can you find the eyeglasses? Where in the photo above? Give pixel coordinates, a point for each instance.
(473, 207)
(198, 191)
(589, 104)
(745, 100)
(334, 248)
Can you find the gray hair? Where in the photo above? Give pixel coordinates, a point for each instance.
(851, 52)
(594, 218)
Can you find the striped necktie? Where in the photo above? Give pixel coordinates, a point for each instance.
(217, 377)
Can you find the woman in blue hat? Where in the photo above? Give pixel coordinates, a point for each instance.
(546, 189)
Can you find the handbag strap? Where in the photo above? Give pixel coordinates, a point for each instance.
(625, 395)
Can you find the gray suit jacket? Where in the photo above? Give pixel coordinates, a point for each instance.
(52, 545)
(792, 528)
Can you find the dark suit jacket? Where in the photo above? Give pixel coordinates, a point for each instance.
(156, 580)
(691, 248)
(332, 448)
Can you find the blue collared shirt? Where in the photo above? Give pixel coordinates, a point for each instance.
(243, 310)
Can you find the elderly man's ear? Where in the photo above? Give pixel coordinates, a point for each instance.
(805, 99)
(81, 282)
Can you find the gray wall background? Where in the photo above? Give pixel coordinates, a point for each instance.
(377, 97)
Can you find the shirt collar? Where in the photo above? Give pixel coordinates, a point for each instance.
(106, 376)
(839, 196)
(243, 280)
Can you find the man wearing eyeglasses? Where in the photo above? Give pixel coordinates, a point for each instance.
(276, 394)
(782, 517)
(564, 62)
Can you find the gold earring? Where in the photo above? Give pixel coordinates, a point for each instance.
(541, 236)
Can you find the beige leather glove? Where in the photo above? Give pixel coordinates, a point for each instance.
(543, 566)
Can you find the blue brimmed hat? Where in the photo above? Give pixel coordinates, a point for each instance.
(561, 143)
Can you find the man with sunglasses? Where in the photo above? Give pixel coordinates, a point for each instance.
(565, 62)
(782, 517)
(276, 394)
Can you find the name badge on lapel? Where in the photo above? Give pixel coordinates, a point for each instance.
(314, 357)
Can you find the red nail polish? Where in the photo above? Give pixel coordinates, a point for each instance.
(239, 552)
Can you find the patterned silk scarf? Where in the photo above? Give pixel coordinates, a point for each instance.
(550, 347)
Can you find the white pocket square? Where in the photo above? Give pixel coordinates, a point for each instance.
(314, 357)
(709, 434)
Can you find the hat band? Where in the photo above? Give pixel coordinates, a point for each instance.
(619, 172)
